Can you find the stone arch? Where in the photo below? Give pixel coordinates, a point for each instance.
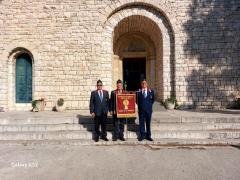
(168, 47)
(17, 51)
(155, 5)
(12, 57)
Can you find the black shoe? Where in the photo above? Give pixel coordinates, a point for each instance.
(96, 139)
(140, 139)
(114, 139)
(105, 138)
(122, 139)
(149, 139)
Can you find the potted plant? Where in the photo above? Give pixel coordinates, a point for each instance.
(38, 104)
(60, 106)
(35, 105)
(42, 103)
(237, 102)
(171, 102)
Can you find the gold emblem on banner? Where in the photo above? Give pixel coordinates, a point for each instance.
(125, 103)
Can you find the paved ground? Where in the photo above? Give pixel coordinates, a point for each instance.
(50, 162)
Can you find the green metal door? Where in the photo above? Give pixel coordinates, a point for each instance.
(24, 79)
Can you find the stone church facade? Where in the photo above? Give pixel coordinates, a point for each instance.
(59, 49)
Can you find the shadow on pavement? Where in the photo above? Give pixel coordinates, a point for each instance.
(215, 111)
(88, 123)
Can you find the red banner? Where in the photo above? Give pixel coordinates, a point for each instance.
(126, 105)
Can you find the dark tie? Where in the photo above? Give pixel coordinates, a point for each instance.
(100, 94)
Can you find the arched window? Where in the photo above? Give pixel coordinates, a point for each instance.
(23, 78)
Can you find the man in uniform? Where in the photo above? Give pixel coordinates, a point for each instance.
(118, 123)
(99, 103)
(145, 100)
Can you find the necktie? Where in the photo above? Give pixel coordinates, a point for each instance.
(100, 95)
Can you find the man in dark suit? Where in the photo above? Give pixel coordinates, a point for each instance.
(118, 123)
(145, 100)
(99, 102)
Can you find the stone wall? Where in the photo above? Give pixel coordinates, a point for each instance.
(71, 45)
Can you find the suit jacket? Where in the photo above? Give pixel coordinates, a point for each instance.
(96, 106)
(112, 105)
(145, 104)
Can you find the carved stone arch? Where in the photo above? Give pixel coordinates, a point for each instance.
(18, 51)
(155, 5)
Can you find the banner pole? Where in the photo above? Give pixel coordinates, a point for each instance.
(126, 128)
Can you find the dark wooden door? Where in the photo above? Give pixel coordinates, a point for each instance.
(24, 79)
(134, 70)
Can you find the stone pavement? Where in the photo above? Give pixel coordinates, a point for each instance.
(66, 162)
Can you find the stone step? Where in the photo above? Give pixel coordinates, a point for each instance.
(192, 119)
(54, 120)
(61, 135)
(89, 120)
(33, 120)
(131, 127)
(157, 143)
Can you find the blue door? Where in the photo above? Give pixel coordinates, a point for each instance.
(24, 79)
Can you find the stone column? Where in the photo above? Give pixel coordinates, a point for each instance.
(152, 73)
(117, 69)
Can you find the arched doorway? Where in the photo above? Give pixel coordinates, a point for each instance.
(137, 47)
(155, 30)
(23, 79)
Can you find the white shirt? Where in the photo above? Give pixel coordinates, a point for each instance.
(119, 91)
(145, 91)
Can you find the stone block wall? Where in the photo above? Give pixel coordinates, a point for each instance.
(71, 50)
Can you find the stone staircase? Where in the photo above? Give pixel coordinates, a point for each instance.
(166, 128)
